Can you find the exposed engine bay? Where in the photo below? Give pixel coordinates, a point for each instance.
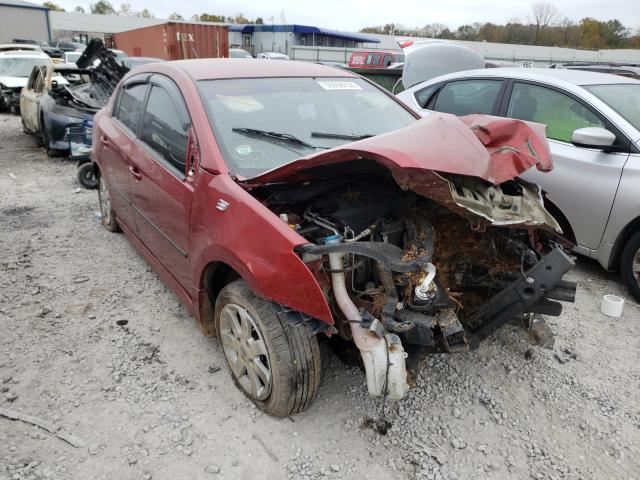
(398, 268)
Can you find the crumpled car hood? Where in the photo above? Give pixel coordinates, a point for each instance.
(13, 82)
(492, 148)
(450, 160)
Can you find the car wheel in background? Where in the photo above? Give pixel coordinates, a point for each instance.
(108, 216)
(87, 176)
(275, 364)
(630, 265)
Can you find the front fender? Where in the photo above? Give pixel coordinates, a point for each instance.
(56, 119)
(255, 243)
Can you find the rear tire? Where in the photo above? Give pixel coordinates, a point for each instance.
(87, 176)
(630, 266)
(108, 218)
(275, 364)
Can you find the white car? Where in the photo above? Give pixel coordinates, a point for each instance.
(593, 128)
(15, 68)
(71, 57)
(273, 56)
(12, 47)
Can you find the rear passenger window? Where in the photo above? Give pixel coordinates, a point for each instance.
(130, 107)
(163, 129)
(468, 96)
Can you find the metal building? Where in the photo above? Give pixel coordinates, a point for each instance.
(285, 38)
(23, 20)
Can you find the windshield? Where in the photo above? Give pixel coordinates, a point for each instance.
(20, 67)
(263, 123)
(623, 98)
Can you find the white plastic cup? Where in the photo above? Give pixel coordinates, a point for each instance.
(612, 305)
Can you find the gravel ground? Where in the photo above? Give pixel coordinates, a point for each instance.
(92, 343)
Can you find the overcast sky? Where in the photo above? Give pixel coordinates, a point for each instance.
(355, 14)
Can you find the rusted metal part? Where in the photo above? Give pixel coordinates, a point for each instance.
(520, 295)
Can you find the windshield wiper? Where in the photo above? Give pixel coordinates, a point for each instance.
(340, 136)
(283, 137)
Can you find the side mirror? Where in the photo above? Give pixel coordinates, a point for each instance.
(594, 137)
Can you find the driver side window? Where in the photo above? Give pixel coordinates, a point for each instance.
(559, 112)
(164, 130)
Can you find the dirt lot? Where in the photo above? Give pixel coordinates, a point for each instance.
(151, 399)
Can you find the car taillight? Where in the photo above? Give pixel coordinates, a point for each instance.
(405, 43)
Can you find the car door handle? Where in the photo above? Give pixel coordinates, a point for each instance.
(136, 173)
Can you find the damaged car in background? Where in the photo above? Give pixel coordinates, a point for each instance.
(15, 68)
(59, 101)
(283, 202)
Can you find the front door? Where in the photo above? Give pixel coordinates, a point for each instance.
(161, 187)
(584, 181)
(29, 99)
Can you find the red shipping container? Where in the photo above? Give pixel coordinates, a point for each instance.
(175, 41)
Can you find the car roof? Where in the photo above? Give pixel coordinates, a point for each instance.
(6, 47)
(24, 54)
(225, 68)
(555, 75)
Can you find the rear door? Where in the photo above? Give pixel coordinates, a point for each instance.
(116, 147)
(162, 179)
(584, 181)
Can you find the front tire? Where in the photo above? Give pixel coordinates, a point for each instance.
(630, 266)
(275, 364)
(108, 215)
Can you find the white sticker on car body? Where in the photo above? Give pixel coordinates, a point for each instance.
(339, 85)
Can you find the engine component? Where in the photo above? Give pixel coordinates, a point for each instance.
(522, 294)
(423, 289)
(383, 357)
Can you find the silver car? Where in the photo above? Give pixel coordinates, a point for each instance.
(593, 128)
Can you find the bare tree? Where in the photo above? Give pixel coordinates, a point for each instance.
(433, 30)
(544, 14)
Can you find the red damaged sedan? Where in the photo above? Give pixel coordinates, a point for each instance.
(284, 201)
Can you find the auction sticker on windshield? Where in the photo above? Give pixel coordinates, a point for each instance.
(339, 85)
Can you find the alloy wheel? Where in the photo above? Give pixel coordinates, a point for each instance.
(245, 350)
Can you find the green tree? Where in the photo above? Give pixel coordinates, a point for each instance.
(591, 33)
(175, 16)
(125, 10)
(259, 21)
(240, 18)
(614, 33)
(53, 6)
(79, 9)
(145, 13)
(467, 32)
(102, 7)
(207, 17)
